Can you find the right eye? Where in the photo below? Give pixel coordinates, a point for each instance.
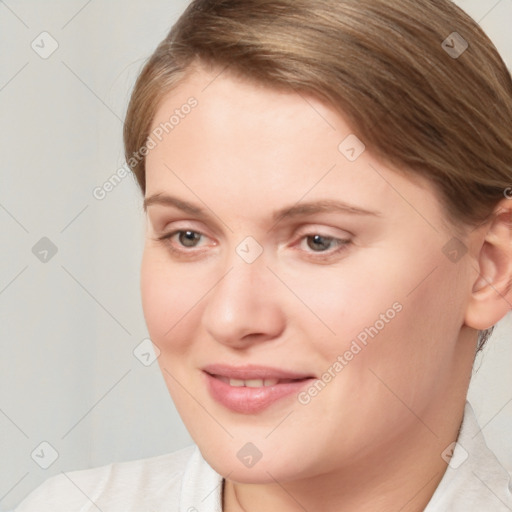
(187, 238)
(183, 239)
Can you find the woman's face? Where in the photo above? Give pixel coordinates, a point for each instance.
(307, 299)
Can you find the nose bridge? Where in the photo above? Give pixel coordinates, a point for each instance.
(247, 270)
(241, 284)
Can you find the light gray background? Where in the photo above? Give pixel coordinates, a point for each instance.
(69, 326)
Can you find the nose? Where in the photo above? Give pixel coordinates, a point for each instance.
(244, 307)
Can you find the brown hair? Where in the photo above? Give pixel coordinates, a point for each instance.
(399, 72)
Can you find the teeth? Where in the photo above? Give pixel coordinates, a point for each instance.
(253, 383)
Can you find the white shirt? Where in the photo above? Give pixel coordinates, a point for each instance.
(184, 482)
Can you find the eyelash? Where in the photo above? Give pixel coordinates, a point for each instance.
(342, 244)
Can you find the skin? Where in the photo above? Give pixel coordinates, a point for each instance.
(372, 438)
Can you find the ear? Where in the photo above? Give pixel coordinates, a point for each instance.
(491, 296)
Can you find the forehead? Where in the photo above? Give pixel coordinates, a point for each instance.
(263, 145)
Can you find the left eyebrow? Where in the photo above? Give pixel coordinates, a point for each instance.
(325, 206)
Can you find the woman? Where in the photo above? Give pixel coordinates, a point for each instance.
(328, 246)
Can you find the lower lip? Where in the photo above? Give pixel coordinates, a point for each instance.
(248, 400)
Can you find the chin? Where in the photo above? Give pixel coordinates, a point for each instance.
(235, 463)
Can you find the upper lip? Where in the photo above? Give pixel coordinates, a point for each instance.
(248, 372)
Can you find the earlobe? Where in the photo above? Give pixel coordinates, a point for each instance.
(491, 294)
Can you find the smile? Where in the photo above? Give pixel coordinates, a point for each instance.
(249, 390)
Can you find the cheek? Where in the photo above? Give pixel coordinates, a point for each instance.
(346, 300)
(415, 352)
(385, 311)
(172, 306)
(155, 294)
(169, 298)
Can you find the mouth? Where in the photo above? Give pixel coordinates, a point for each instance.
(251, 389)
(254, 372)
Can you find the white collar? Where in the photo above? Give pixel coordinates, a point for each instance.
(475, 479)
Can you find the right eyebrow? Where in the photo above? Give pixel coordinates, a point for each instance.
(166, 200)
